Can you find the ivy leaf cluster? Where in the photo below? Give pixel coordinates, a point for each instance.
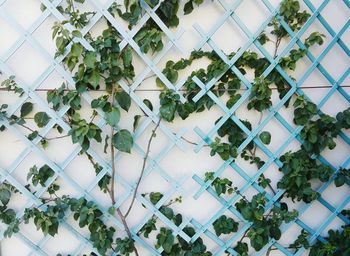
(298, 170)
(319, 134)
(264, 227)
(337, 243)
(172, 245)
(48, 220)
(88, 214)
(11, 85)
(221, 185)
(225, 225)
(82, 132)
(260, 98)
(40, 176)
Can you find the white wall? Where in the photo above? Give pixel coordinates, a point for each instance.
(28, 64)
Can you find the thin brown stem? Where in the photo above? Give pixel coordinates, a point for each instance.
(112, 190)
(143, 168)
(244, 235)
(277, 44)
(268, 251)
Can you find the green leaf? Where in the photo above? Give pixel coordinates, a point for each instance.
(167, 111)
(127, 57)
(136, 122)
(94, 78)
(112, 117)
(123, 141)
(5, 196)
(265, 137)
(188, 7)
(148, 103)
(275, 232)
(77, 49)
(26, 109)
(124, 100)
(90, 59)
(41, 119)
(155, 197)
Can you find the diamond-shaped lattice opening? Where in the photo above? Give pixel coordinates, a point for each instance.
(11, 36)
(335, 196)
(274, 126)
(229, 37)
(260, 14)
(79, 165)
(43, 35)
(23, 168)
(342, 12)
(14, 245)
(335, 55)
(332, 109)
(54, 245)
(315, 209)
(24, 12)
(21, 62)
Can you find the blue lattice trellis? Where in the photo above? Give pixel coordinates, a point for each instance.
(229, 13)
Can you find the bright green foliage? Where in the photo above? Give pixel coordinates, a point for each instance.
(88, 214)
(148, 227)
(234, 133)
(26, 108)
(319, 134)
(7, 215)
(221, 186)
(264, 226)
(260, 98)
(11, 85)
(299, 169)
(165, 239)
(40, 176)
(123, 141)
(314, 38)
(342, 177)
(102, 103)
(41, 119)
(113, 116)
(47, 220)
(303, 110)
(225, 225)
(55, 97)
(343, 119)
(131, 15)
(169, 102)
(224, 150)
(82, 132)
(242, 249)
(108, 63)
(301, 241)
(338, 243)
(149, 40)
(125, 246)
(265, 137)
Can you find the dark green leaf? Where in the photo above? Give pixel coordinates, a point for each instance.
(265, 137)
(123, 141)
(41, 119)
(26, 109)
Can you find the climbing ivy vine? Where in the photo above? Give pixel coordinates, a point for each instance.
(108, 65)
